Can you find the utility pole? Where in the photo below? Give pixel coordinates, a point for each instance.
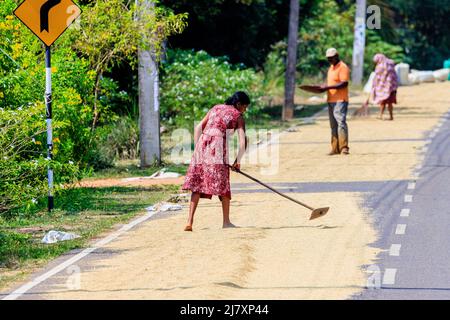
(291, 65)
(359, 42)
(150, 142)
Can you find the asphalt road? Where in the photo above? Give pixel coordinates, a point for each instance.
(413, 219)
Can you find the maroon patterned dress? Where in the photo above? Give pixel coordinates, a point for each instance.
(208, 173)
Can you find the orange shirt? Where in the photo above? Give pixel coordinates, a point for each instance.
(337, 74)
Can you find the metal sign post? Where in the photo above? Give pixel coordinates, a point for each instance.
(48, 20)
(48, 108)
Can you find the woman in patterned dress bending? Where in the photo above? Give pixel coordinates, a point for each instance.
(209, 172)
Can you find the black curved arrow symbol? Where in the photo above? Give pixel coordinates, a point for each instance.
(45, 9)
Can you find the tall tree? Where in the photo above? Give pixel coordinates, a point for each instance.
(106, 44)
(152, 40)
(359, 42)
(294, 11)
(150, 141)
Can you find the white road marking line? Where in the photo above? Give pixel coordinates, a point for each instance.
(395, 250)
(408, 198)
(411, 186)
(427, 142)
(433, 134)
(405, 212)
(389, 276)
(401, 229)
(26, 287)
(425, 149)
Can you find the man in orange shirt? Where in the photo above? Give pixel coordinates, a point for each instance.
(337, 89)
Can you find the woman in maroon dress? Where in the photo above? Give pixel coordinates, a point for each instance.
(209, 172)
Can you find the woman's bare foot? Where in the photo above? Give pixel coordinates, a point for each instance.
(188, 228)
(228, 225)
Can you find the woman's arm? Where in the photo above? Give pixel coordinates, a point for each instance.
(242, 143)
(199, 128)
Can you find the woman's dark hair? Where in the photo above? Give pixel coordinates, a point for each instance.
(238, 97)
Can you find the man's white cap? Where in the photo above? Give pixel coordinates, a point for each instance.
(331, 52)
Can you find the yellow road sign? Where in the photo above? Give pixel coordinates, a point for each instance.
(47, 19)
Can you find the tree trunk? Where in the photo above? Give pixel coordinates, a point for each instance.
(294, 11)
(150, 144)
(359, 42)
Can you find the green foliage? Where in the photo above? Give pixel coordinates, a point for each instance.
(193, 82)
(23, 167)
(117, 141)
(13, 245)
(274, 72)
(327, 27)
(83, 94)
(331, 26)
(422, 28)
(106, 44)
(18, 70)
(375, 44)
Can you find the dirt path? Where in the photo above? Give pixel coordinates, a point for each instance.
(277, 253)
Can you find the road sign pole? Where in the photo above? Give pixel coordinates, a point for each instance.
(48, 20)
(48, 105)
